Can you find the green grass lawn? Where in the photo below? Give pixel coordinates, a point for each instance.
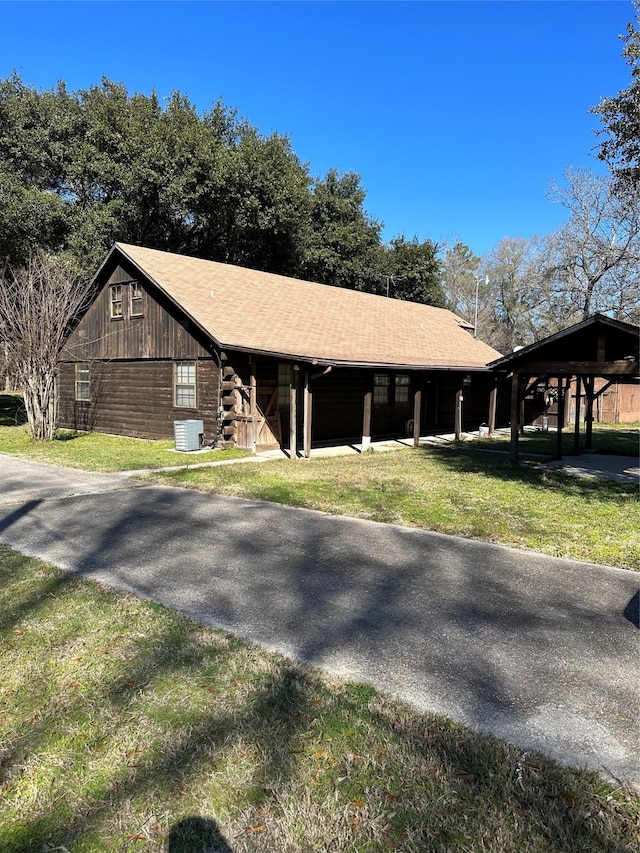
(619, 439)
(464, 489)
(91, 451)
(450, 490)
(125, 726)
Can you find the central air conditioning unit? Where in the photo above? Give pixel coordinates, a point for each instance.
(188, 435)
(409, 426)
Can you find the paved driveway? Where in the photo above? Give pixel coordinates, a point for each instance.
(540, 651)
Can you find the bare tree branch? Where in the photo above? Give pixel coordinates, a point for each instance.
(38, 306)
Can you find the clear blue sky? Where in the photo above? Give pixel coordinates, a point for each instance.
(456, 114)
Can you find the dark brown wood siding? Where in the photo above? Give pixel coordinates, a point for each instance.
(136, 398)
(162, 331)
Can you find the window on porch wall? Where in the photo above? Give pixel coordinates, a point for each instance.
(402, 389)
(381, 386)
(284, 387)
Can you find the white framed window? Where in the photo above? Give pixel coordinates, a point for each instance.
(115, 301)
(381, 383)
(135, 299)
(185, 384)
(402, 384)
(82, 380)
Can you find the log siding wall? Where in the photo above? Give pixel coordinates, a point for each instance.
(135, 398)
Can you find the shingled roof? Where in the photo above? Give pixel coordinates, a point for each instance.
(260, 312)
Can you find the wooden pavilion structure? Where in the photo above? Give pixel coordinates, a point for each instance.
(596, 347)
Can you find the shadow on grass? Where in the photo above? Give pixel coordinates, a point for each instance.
(465, 460)
(448, 785)
(195, 834)
(621, 441)
(469, 787)
(12, 410)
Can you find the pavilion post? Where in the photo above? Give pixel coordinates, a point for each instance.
(417, 411)
(576, 429)
(366, 419)
(307, 414)
(560, 417)
(515, 388)
(293, 417)
(588, 432)
(458, 414)
(493, 401)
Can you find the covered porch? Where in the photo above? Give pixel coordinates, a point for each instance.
(599, 347)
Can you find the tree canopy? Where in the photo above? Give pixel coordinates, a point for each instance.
(80, 170)
(620, 115)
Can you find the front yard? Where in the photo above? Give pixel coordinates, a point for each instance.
(468, 489)
(124, 726)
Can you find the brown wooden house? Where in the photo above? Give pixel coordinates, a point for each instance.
(264, 360)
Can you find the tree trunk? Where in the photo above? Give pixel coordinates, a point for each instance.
(41, 404)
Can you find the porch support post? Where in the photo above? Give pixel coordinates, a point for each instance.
(366, 418)
(513, 446)
(493, 402)
(417, 411)
(307, 412)
(458, 414)
(253, 402)
(576, 428)
(588, 432)
(561, 396)
(293, 417)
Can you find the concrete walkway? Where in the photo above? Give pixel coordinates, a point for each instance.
(538, 651)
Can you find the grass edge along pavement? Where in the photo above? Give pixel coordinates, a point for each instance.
(458, 491)
(126, 725)
(463, 489)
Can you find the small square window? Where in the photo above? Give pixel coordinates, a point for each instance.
(82, 381)
(185, 384)
(135, 295)
(380, 389)
(402, 389)
(115, 293)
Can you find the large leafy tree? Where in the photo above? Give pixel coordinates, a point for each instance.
(412, 271)
(80, 170)
(342, 244)
(620, 115)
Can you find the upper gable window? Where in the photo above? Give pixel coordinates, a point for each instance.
(115, 299)
(135, 297)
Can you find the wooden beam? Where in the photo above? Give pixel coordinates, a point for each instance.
(560, 417)
(307, 411)
(293, 418)
(513, 446)
(366, 419)
(417, 411)
(588, 433)
(458, 414)
(584, 368)
(493, 402)
(576, 428)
